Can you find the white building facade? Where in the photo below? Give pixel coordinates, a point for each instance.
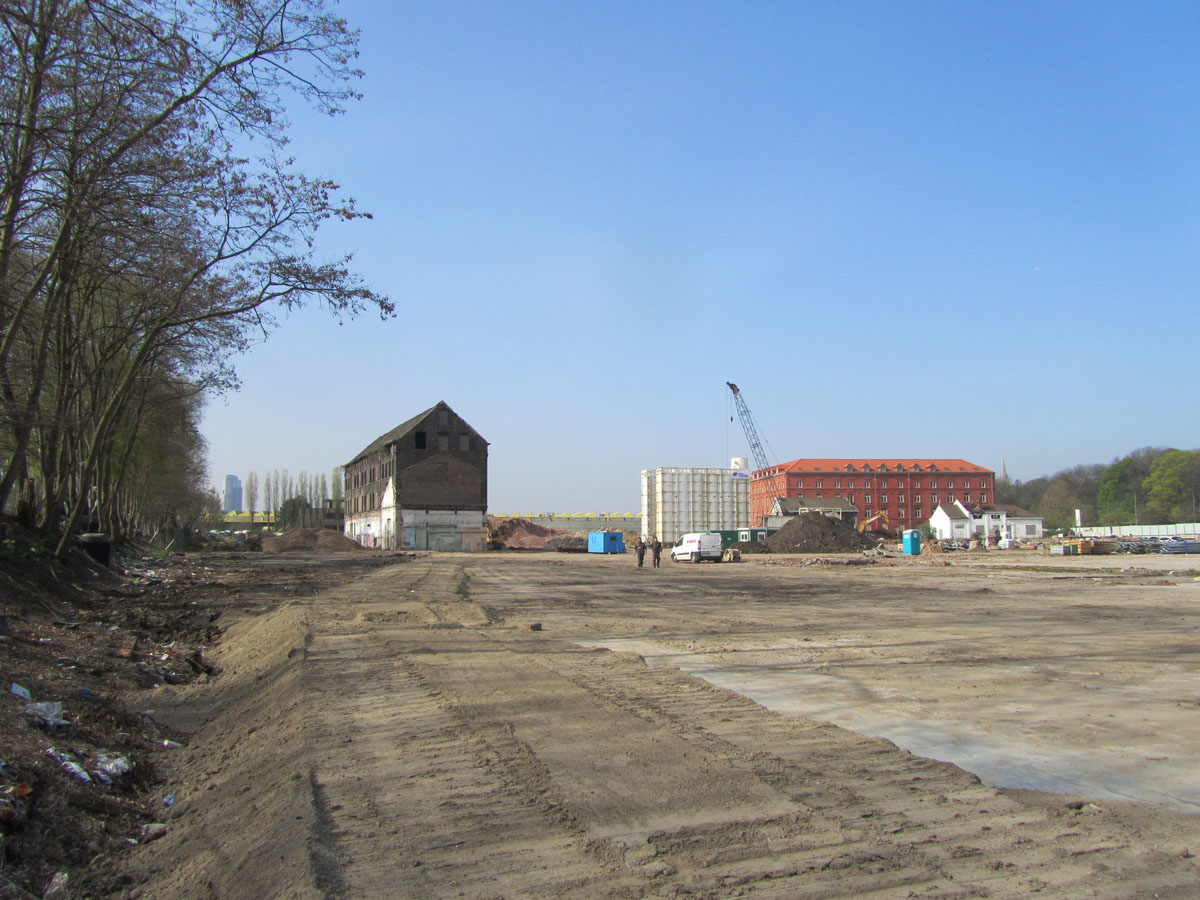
(956, 521)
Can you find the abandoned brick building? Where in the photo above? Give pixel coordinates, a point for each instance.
(421, 486)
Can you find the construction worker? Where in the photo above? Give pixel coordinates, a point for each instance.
(656, 551)
(640, 549)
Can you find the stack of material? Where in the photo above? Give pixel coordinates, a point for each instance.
(817, 533)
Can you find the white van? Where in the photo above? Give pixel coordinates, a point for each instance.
(697, 546)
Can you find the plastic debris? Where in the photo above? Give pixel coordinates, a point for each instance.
(172, 745)
(12, 804)
(57, 888)
(108, 768)
(169, 800)
(22, 692)
(48, 713)
(67, 761)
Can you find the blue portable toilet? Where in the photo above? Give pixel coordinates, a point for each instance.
(606, 542)
(912, 542)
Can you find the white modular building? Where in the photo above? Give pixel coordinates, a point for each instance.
(677, 500)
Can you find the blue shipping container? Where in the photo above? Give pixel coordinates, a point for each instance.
(606, 542)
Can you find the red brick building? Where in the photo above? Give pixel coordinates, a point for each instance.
(906, 490)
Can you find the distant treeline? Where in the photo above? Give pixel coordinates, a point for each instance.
(1151, 485)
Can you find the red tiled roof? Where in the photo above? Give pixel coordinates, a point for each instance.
(878, 464)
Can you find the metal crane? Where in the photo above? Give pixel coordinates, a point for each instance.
(756, 447)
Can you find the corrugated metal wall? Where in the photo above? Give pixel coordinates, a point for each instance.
(678, 500)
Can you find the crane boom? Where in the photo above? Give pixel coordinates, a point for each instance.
(756, 447)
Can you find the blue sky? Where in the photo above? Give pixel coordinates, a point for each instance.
(904, 229)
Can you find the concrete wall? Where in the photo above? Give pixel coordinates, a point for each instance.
(578, 521)
(1180, 529)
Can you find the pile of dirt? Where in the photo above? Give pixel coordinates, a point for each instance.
(86, 784)
(79, 770)
(817, 533)
(751, 547)
(569, 542)
(322, 540)
(521, 534)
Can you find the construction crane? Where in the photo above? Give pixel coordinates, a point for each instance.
(756, 447)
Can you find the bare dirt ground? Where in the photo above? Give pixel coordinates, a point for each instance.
(446, 727)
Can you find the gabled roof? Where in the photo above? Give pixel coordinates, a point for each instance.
(884, 464)
(1009, 510)
(404, 428)
(954, 511)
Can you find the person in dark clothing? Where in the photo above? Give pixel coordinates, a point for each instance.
(656, 551)
(640, 549)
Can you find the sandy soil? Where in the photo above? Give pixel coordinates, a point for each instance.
(452, 726)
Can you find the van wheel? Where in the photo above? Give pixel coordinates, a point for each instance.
(696, 557)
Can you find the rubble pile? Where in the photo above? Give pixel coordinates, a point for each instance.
(748, 547)
(322, 540)
(817, 533)
(568, 542)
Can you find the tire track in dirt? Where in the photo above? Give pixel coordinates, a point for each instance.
(859, 796)
(461, 759)
(425, 806)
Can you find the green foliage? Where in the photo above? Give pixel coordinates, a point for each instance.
(1173, 486)
(1150, 485)
(289, 512)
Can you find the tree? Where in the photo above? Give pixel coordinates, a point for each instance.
(1058, 504)
(252, 493)
(1173, 485)
(289, 512)
(336, 481)
(148, 220)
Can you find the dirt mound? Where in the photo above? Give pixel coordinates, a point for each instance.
(751, 547)
(568, 542)
(320, 539)
(817, 533)
(521, 534)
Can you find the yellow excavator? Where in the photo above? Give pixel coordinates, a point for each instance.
(495, 540)
(874, 523)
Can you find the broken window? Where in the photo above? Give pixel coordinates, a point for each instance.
(420, 440)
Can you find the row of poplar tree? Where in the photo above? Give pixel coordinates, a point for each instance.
(278, 487)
